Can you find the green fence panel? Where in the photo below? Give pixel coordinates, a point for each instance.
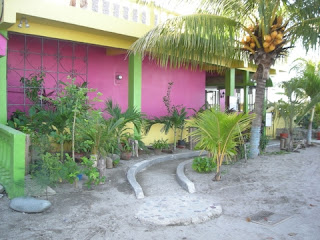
(12, 160)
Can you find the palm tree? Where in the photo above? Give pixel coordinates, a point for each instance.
(219, 133)
(268, 28)
(291, 108)
(131, 115)
(174, 120)
(309, 81)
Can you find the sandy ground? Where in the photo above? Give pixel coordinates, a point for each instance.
(287, 185)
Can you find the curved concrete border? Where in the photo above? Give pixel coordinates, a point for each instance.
(138, 167)
(182, 179)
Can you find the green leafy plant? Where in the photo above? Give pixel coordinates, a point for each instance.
(305, 121)
(116, 162)
(50, 170)
(91, 172)
(160, 144)
(126, 147)
(84, 146)
(131, 115)
(60, 137)
(264, 140)
(203, 164)
(101, 132)
(219, 133)
(18, 120)
(174, 121)
(33, 86)
(47, 171)
(291, 108)
(70, 169)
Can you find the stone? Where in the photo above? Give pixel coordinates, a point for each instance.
(109, 162)
(29, 205)
(177, 210)
(1, 195)
(114, 156)
(1, 189)
(102, 167)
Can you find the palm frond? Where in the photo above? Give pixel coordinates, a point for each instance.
(309, 106)
(194, 39)
(218, 132)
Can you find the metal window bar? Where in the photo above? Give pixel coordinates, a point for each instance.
(55, 75)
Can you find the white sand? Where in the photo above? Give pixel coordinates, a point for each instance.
(287, 185)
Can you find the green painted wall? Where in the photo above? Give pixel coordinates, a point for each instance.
(12, 161)
(135, 75)
(3, 85)
(230, 81)
(246, 78)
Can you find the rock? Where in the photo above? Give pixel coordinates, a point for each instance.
(29, 205)
(109, 162)
(114, 156)
(1, 195)
(1, 189)
(102, 168)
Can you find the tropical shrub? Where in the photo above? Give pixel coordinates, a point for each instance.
(160, 144)
(203, 164)
(91, 172)
(263, 142)
(219, 133)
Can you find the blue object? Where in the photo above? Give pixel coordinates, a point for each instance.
(79, 176)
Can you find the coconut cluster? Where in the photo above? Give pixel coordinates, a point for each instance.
(270, 41)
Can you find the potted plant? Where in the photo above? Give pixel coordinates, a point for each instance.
(82, 148)
(126, 150)
(157, 146)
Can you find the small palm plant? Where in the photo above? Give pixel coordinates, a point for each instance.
(131, 115)
(174, 120)
(219, 133)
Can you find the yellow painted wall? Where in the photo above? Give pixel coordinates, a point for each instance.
(70, 23)
(276, 123)
(156, 134)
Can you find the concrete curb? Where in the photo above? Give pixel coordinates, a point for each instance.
(182, 179)
(138, 167)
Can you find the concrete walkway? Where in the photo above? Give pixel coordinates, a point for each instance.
(167, 203)
(151, 179)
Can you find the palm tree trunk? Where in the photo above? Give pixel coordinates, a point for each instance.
(309, 136)
(73, 135)
(174, 138)
(61, 150)
(290, 135)
(258, 110)
(217, 177)
(264, 61)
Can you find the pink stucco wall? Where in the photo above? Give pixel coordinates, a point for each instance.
(102, 71)
(188, 88)
(3, 46)
(29, 54)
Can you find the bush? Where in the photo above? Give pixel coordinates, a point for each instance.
(264, 140)
(305, 121)
(91, 172)
(203, 164)
(160, 144)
